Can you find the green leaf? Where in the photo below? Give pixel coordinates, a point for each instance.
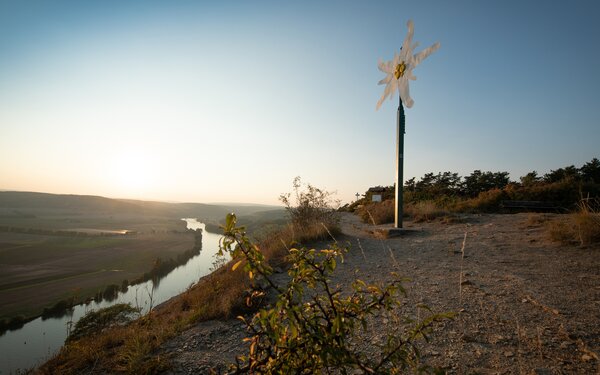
(230, 221)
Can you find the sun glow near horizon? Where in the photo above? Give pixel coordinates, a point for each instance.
(132, 173)
(204, 102)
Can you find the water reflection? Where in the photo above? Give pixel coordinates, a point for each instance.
(37, 340)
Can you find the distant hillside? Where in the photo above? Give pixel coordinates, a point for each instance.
(33, 202)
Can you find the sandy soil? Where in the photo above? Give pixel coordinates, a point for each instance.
(524, 305)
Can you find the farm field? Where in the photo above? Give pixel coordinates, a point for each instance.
(38, 270)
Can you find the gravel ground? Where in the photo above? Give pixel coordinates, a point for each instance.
(524, 305)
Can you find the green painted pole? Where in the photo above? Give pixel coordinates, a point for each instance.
(400, 130)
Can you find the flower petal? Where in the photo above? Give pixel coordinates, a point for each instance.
(379, 103)
(404, 93)
(386, 80)
(389, 90)
(423, 54)
(408, 40)
(382, 65)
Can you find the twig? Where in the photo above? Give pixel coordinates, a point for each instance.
(462, 258)
(327, 229)
(361, 249)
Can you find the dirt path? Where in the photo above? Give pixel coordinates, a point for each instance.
(525, 305)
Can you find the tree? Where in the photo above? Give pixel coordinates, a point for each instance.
(478, 182)
(561, 174)
(590, 171)
(530, 179)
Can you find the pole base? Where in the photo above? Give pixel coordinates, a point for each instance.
(396, 232)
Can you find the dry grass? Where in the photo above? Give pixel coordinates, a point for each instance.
(383, 212)
(582, 227)
(378, 212)
(221, 294)
(536, 220)
(560, 230)
(587, 222)
(487, 201)
(425, 211)
(587, 228)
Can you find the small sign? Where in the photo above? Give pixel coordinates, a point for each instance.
(376, 198)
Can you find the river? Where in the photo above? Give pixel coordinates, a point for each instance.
(39, 339)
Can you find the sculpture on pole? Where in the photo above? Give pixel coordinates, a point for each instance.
(398, 71)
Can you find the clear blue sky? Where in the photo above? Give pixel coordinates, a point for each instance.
(229, 101)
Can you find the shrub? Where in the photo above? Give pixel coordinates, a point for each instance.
(96, 321)
(312, 205)
(57, 310)
(312, 327)
(563, 192)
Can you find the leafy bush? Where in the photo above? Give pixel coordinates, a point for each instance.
(313, 327)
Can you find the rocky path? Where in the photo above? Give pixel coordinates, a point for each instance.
(524, 305)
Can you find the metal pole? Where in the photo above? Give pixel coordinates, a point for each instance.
(400, 130)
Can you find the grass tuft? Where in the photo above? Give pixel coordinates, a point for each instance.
(581, 227)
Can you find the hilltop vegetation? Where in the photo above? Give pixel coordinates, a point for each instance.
(441, 194)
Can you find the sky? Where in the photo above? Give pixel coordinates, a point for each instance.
(228, 101)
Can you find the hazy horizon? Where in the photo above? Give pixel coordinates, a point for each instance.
(151, 200)
(228, 102)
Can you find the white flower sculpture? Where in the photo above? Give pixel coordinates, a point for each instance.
(399, 70)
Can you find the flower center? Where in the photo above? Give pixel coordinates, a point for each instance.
(400, 69)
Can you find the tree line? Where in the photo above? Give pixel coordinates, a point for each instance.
(433, 185)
